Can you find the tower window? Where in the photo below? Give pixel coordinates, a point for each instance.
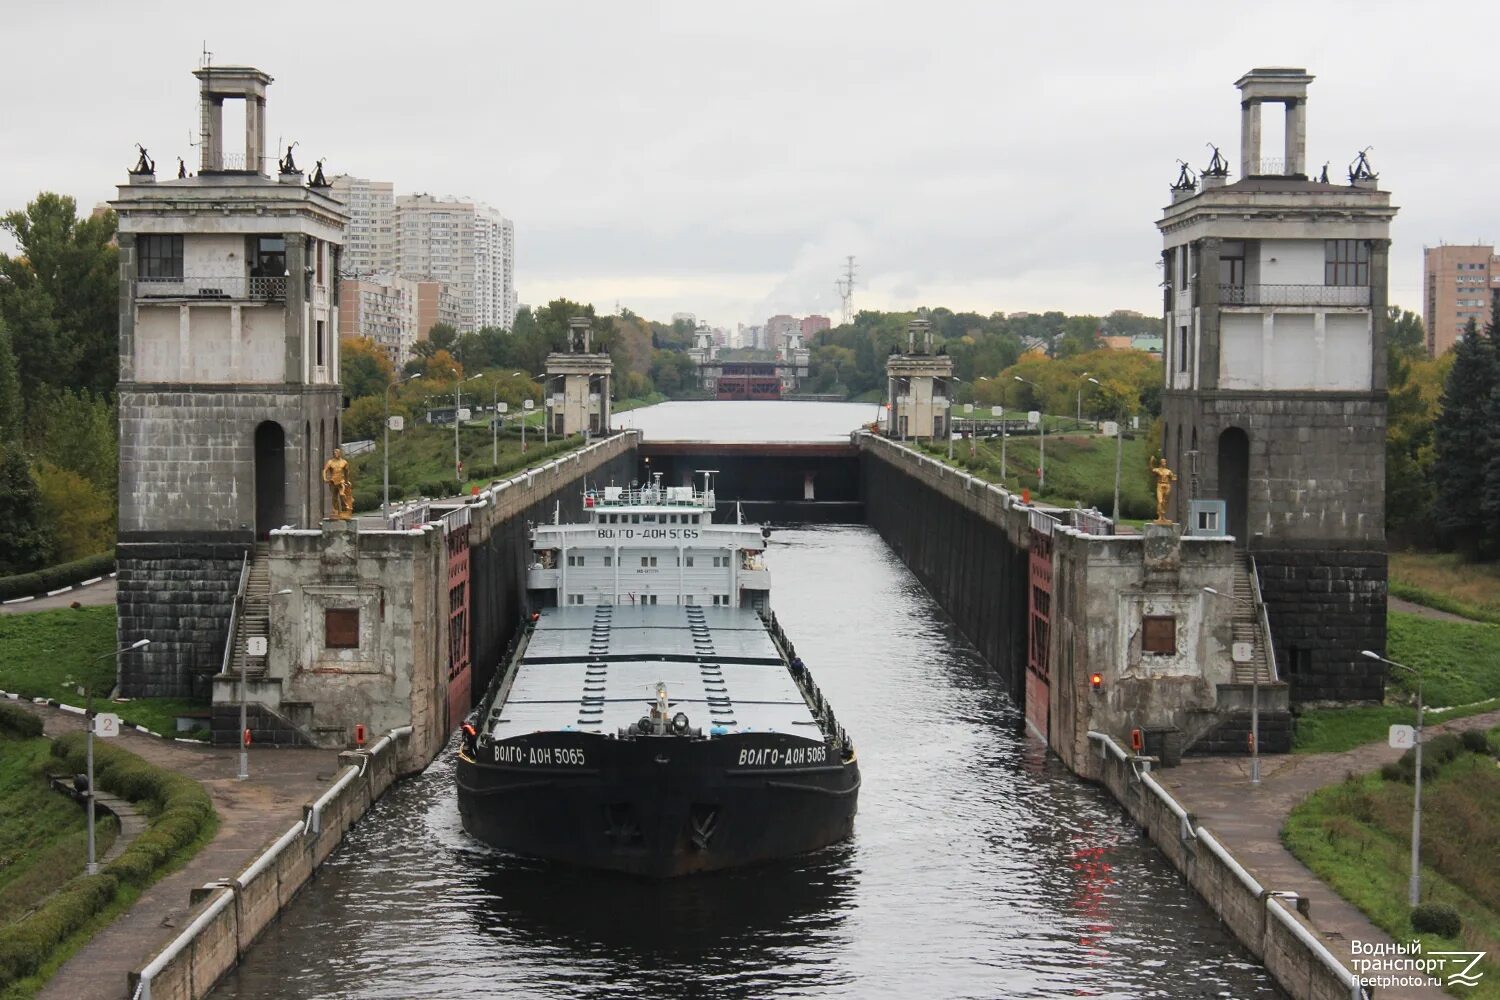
(1159, 634)
(341, 628)
(320, 343)
(159, 257)
(1346, 262)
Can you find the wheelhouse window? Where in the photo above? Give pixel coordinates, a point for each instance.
(1346, 262)
(159, 257)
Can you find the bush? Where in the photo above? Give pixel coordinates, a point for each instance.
(42, 580)
(16, 721)
(1474, 741)
(27, 943)
(1437, 918)
(182, 808)
(1392, 772)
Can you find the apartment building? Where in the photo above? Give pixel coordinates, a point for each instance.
(1457, 285)
(466, 245)
(370, 246)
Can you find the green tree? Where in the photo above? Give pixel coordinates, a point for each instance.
(81, 515)
(60, 297)
(26, 543)
(11, 409)
(1404, 336)
(365, 417)
(77, 431)
(442, 337)
(1408, 455)
(1463, 442)
(363, 367)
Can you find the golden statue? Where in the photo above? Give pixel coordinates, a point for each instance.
(1165, 477)
(341, 484)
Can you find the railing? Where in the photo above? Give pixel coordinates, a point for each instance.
(234, 613)
(1294, 295)
(1268, 166)
(1265, 622)
(1091, 522)
(1042, 523)
(650, 496)
(224, 287)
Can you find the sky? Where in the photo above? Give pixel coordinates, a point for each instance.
(724, 159)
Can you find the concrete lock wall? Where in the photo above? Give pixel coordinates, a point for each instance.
(234, 913)
(1268, 926)
(963, 538)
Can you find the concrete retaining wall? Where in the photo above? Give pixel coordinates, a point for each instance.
(235, 912)
(1269, 926)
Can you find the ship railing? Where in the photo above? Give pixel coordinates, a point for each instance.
(804, 679)
(649, 496)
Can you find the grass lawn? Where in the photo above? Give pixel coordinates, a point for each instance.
(1443, 580)
(1080, 469)
(1356, 837)
(43, 834)
(51, 654)
(1460, 663)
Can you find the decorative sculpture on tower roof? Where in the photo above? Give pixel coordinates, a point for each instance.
(144, 165)
(1360, 169)
(1185, 180)
(286, 163)
(318, 180)
(1217, 165)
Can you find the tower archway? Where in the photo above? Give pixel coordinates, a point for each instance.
(270, 477)
(1234, 482)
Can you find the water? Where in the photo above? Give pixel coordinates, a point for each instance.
(979, 867)
(747, 420)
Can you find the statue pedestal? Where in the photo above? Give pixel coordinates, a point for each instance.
(1163, 548)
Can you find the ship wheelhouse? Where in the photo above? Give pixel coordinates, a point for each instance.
(649, 545)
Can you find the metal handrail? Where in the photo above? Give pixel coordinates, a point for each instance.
(1294, 295)
(234, 612)
(208, 286)
(1265, 622)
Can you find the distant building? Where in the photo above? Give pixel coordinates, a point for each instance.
(814, 324)
(466, 245)
(436, 303)
(777, 327)
(382, 308)
(1457, 284)
(917, 387)
(691, 319)
(371, 236)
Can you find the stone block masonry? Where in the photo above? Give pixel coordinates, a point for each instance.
(1325, 605)
(179, 596)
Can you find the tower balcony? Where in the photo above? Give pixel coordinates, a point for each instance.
(1349, 296)
(230, 288)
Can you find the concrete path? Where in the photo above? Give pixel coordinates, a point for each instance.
(1407, 607)
(93, 595)
(252, 814)
(1248, 820)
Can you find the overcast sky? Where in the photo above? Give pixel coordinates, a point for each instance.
(724, 158)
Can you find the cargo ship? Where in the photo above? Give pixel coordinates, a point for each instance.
(652, 717)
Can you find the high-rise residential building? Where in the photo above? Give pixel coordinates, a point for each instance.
(436, 303)
(382, 308)
(371, 236)
(814, 324)
(1457, 285)
(466, 245)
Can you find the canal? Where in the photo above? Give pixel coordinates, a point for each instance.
(979, 867)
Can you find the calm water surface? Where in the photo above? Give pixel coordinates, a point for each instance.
(979, 867)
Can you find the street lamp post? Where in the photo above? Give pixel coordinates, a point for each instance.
(1414, 886)
(92, 867)
(948, 423)
(458, 381)
(546, 407)
(1041, 472)
(1078, 416)
(385, 451)
(1254, 701)
(1119, 452)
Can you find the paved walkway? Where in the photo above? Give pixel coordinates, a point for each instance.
(1407, 607)
(1248, 820)
(252, 814)
(93, 595)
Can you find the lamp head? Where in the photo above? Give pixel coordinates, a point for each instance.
(140, 643)
(1370, 654)
(1210, 590)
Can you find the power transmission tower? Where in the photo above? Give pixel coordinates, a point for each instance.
(845, 286)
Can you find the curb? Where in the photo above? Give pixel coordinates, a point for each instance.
(63, 590)
(76, 710)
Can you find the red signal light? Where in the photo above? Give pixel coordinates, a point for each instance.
(1096, 681)
(359, 734)
(1137, 742)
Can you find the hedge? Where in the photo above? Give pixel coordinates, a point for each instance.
(182, 810)
(16, 721)
(53, 577)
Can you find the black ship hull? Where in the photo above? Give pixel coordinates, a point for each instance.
(657, 805)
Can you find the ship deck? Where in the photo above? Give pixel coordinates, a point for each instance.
(595, 669)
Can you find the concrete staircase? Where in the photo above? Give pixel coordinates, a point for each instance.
(255, 616)
(1245, 627)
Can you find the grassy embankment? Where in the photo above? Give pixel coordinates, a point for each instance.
(422, 456)
(1460, 664)
(1444, 581)
(1356, 836)
(1080, 468)
(64, 653)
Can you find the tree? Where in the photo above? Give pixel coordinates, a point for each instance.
(365, 418)
(442, 336)
(77, 431)
(364, 368)
(60, 297)
(1404, 336)
(1463, 442)
(441, 368)
(11, 409)
(1408, 454)
(81, 516)
(26, 543)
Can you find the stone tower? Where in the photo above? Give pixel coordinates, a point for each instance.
(705, 354)
(578, 403)
(229, 370)
(917, 387)
(1274, 384)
